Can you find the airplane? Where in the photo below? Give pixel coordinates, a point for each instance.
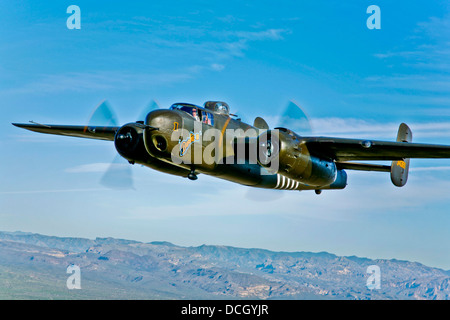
(187, 140)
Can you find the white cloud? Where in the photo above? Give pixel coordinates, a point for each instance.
(269, 34)
(51, 191)
(97, 167)
(217, 67)
(358, 128)
(437, 168)
(417, 82)
(94, 81)
(366, 128)
(427, 62)
(200, 53)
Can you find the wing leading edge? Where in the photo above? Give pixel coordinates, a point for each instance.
(90, 132)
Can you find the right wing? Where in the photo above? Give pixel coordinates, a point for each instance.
(90, 132)
(342, 150)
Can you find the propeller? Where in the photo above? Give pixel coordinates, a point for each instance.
(152, 105)
(103, 115)
(118, 175)
(294, 118)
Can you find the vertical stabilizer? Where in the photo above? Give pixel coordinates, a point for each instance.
(400, 168)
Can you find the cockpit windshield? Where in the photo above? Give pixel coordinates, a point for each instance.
(188, 108)
(195, 112)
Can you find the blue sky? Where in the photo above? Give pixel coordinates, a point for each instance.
(352, 81)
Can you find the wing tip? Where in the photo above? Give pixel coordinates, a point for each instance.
(20, 125)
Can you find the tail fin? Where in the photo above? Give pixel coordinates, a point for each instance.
(399, 169)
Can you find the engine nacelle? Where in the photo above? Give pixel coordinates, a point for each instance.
(129, 141)
(282, 151)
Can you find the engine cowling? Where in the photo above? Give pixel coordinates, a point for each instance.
(129, 141)
(282, 151)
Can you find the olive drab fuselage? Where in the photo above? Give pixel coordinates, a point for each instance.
(187, 140)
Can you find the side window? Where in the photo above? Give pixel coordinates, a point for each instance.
(207, 118)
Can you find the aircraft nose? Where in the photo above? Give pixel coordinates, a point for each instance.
(158, 142)
(159, 119)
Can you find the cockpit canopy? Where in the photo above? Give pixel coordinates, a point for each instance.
(191, 109)
(217, 107)
(198, 113)
(187, 107)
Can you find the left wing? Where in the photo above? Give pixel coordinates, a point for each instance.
(90, 132)
(340, 149)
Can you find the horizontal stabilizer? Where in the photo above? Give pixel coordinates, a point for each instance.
(363, 166)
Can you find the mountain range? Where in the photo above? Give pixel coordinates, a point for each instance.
(35, 266)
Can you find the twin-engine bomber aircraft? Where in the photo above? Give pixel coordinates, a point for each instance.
(187, 139)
